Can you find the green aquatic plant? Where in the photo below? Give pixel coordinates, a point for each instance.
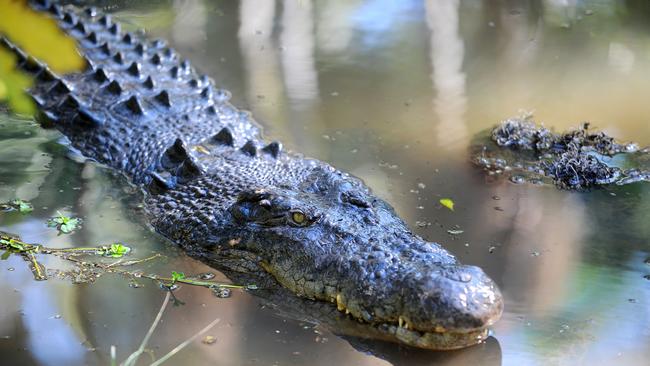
(19, 205)
(65, 224)
(14, 245)
(176, 276)
(87, 269)
(117, 250)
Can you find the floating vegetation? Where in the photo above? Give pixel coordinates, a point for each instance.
(21, 206)
(65, 224)
(116, 250)
(578, 160)
(447, 202)
(87, 268)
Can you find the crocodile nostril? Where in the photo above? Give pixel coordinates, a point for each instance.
(460, 274)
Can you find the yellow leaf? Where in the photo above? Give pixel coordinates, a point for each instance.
(3, 90)
(13, 84)
(39, 36)
(447, 202)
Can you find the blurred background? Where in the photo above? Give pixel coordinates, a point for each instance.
(394, 92)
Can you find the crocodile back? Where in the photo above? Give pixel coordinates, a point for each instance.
(135, 98)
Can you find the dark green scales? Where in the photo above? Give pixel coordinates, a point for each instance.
(214, 186)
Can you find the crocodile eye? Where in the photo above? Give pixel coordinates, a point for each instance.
(298, 218)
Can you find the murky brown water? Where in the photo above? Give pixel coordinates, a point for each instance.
(392, 91)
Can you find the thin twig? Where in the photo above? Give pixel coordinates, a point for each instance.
(133, 261)
(37, 268)
(133, 358)
(184, 344)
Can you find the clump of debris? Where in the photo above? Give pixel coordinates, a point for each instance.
(523, 135)
(575, 170)
(573, 160)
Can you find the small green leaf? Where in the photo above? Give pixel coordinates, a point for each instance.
(13, 245)
(118, 250)
(447, 202)
(5, 255)
(17, 205)
(177, 276)
(23, 206)
(63, 223)
(16, 245)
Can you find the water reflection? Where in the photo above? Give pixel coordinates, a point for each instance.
(297, 42)
(448, 77)
(260, 56)
(52, 341)
(189, 23)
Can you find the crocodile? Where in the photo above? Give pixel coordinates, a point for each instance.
(579, 160)
(248, 207)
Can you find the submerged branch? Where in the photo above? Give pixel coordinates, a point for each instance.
(133, 358)
(185, 343)
(14, 245)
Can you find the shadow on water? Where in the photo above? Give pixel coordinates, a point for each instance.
(487, 353)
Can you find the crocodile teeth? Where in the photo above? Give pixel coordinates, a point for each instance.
(339, 302)
(403, 323)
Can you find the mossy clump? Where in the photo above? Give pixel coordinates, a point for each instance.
(573, 160)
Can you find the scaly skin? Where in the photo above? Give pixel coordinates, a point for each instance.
(298, 226)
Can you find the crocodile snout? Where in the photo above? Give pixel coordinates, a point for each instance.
(456, 298)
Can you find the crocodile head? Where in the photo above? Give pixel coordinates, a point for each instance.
(329, 239)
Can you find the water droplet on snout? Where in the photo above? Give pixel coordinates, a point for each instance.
(456, 275)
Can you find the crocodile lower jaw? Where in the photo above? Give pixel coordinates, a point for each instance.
(440, 341)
